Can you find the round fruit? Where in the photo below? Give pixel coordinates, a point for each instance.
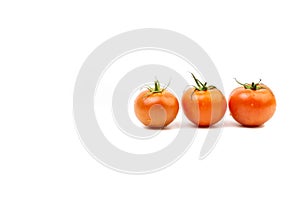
(156, 107)
(252, 104)
(203, 105)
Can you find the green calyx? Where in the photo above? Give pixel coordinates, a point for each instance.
(157, 88)
(252, 86)
(201, 86)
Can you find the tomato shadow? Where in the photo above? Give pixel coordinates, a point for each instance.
(233, 124)
(227, 123)
(189, 125)
(223, 124)
(173, 125)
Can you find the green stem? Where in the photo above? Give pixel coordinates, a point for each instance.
(157, 88)
(252, 86)
(200, 86)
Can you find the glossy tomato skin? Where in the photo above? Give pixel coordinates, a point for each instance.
(156, 110)
(204, 108)
(252, 107)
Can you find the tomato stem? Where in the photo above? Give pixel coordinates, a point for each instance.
(252, 86)
(157, 88)
(200, 86)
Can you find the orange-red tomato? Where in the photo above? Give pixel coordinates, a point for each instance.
(203, 105)
(252, 104)
(156, 108)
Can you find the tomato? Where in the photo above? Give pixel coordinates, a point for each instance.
(203, 105)
(156, 107)
(252, 104)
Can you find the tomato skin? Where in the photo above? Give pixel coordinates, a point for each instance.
(252, 107)
(156, 110)
(204, 108)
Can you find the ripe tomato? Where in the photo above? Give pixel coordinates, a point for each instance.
(203, 105)
(253, 104)
(156, 107)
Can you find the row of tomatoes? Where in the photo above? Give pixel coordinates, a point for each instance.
(250, 105)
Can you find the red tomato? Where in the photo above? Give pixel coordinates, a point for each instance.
(156, 107)
(252, 104)
(203, 105)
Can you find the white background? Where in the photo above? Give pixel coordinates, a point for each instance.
(42, 47)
